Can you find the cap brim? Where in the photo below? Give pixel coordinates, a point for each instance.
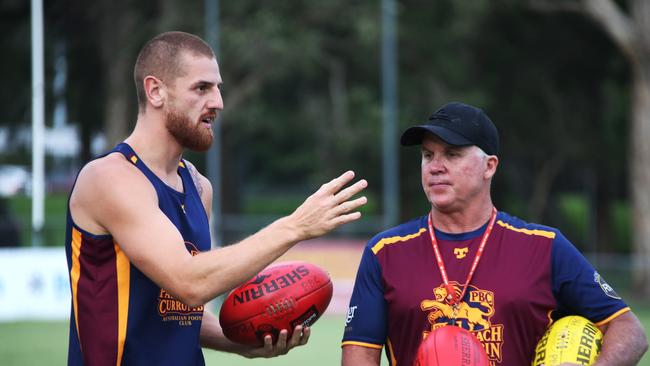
(414, 135)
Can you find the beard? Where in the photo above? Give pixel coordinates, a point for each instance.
(189, 134)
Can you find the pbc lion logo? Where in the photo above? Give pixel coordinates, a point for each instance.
(472, 313)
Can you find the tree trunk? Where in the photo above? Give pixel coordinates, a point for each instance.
(640, 177)
(116, 48)
(631, 33)
(117, 118)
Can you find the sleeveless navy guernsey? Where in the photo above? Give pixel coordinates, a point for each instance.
(118, 315)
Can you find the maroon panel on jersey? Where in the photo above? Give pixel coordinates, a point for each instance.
(97, 296)
(506, 305)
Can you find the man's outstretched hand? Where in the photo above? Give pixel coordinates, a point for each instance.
(330, 207)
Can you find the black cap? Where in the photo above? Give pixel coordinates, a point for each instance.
(457, 124)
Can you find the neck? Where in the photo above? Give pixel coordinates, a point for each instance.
(155, 146)
(464, 220)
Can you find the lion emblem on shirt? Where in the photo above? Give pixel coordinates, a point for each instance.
(474, 309)
(474, 313)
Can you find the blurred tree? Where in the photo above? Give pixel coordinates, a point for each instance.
(300, 87)
(548, 90)
(15, 73)
(630, 30)
(303, 99)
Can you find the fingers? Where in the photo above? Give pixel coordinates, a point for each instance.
(296, 336)
(306, 332)
(351, 205)
(268, 345)
(299, 337)
(331, 206)
(345, 194)
(344, 219)
(281, 345)
(336, 184)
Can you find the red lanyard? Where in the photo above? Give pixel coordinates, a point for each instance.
(452, 298)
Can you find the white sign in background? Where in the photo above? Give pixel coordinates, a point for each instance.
(34, 284)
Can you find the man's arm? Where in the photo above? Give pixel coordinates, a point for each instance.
(624, 341)
(112, 196)
(360, 356)
(211, 333)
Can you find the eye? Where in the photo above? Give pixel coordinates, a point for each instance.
(453, 153)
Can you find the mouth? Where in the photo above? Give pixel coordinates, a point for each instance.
(208, 119)
(438, 184)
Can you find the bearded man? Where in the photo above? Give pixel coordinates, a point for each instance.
(138, 239)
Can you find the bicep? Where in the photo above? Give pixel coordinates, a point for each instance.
(624, 340)
(147, 236)
(127, 207)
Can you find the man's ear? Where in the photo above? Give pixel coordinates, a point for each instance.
(492, 163)
(155, 89)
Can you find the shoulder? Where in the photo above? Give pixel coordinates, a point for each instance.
(561, 246)
(514, 224)
(399, 234)
(106, 188)
(111, 173)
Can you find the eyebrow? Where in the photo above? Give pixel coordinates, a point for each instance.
(202, 82)
(207, 83)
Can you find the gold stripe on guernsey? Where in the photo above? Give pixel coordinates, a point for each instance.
(616, 314)
(181, 164)
(362, 344)
(75, 273)
(134, 159)
(395, 239)
(393, 361)
(544, 233)
(123, 281)
(549, 317)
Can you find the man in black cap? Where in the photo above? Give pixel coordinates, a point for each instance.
(466, 264)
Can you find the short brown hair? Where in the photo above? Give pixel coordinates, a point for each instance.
(160, 57)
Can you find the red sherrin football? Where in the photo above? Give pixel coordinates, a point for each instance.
(451, 346)
(280, 297)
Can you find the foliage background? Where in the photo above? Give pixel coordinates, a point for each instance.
(303, 98)
(303, 103)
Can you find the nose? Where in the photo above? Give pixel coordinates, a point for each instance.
(216, 100)
(434, 166)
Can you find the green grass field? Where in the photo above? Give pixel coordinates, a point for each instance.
(45, 343)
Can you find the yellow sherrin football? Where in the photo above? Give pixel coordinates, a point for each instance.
(570, 339)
